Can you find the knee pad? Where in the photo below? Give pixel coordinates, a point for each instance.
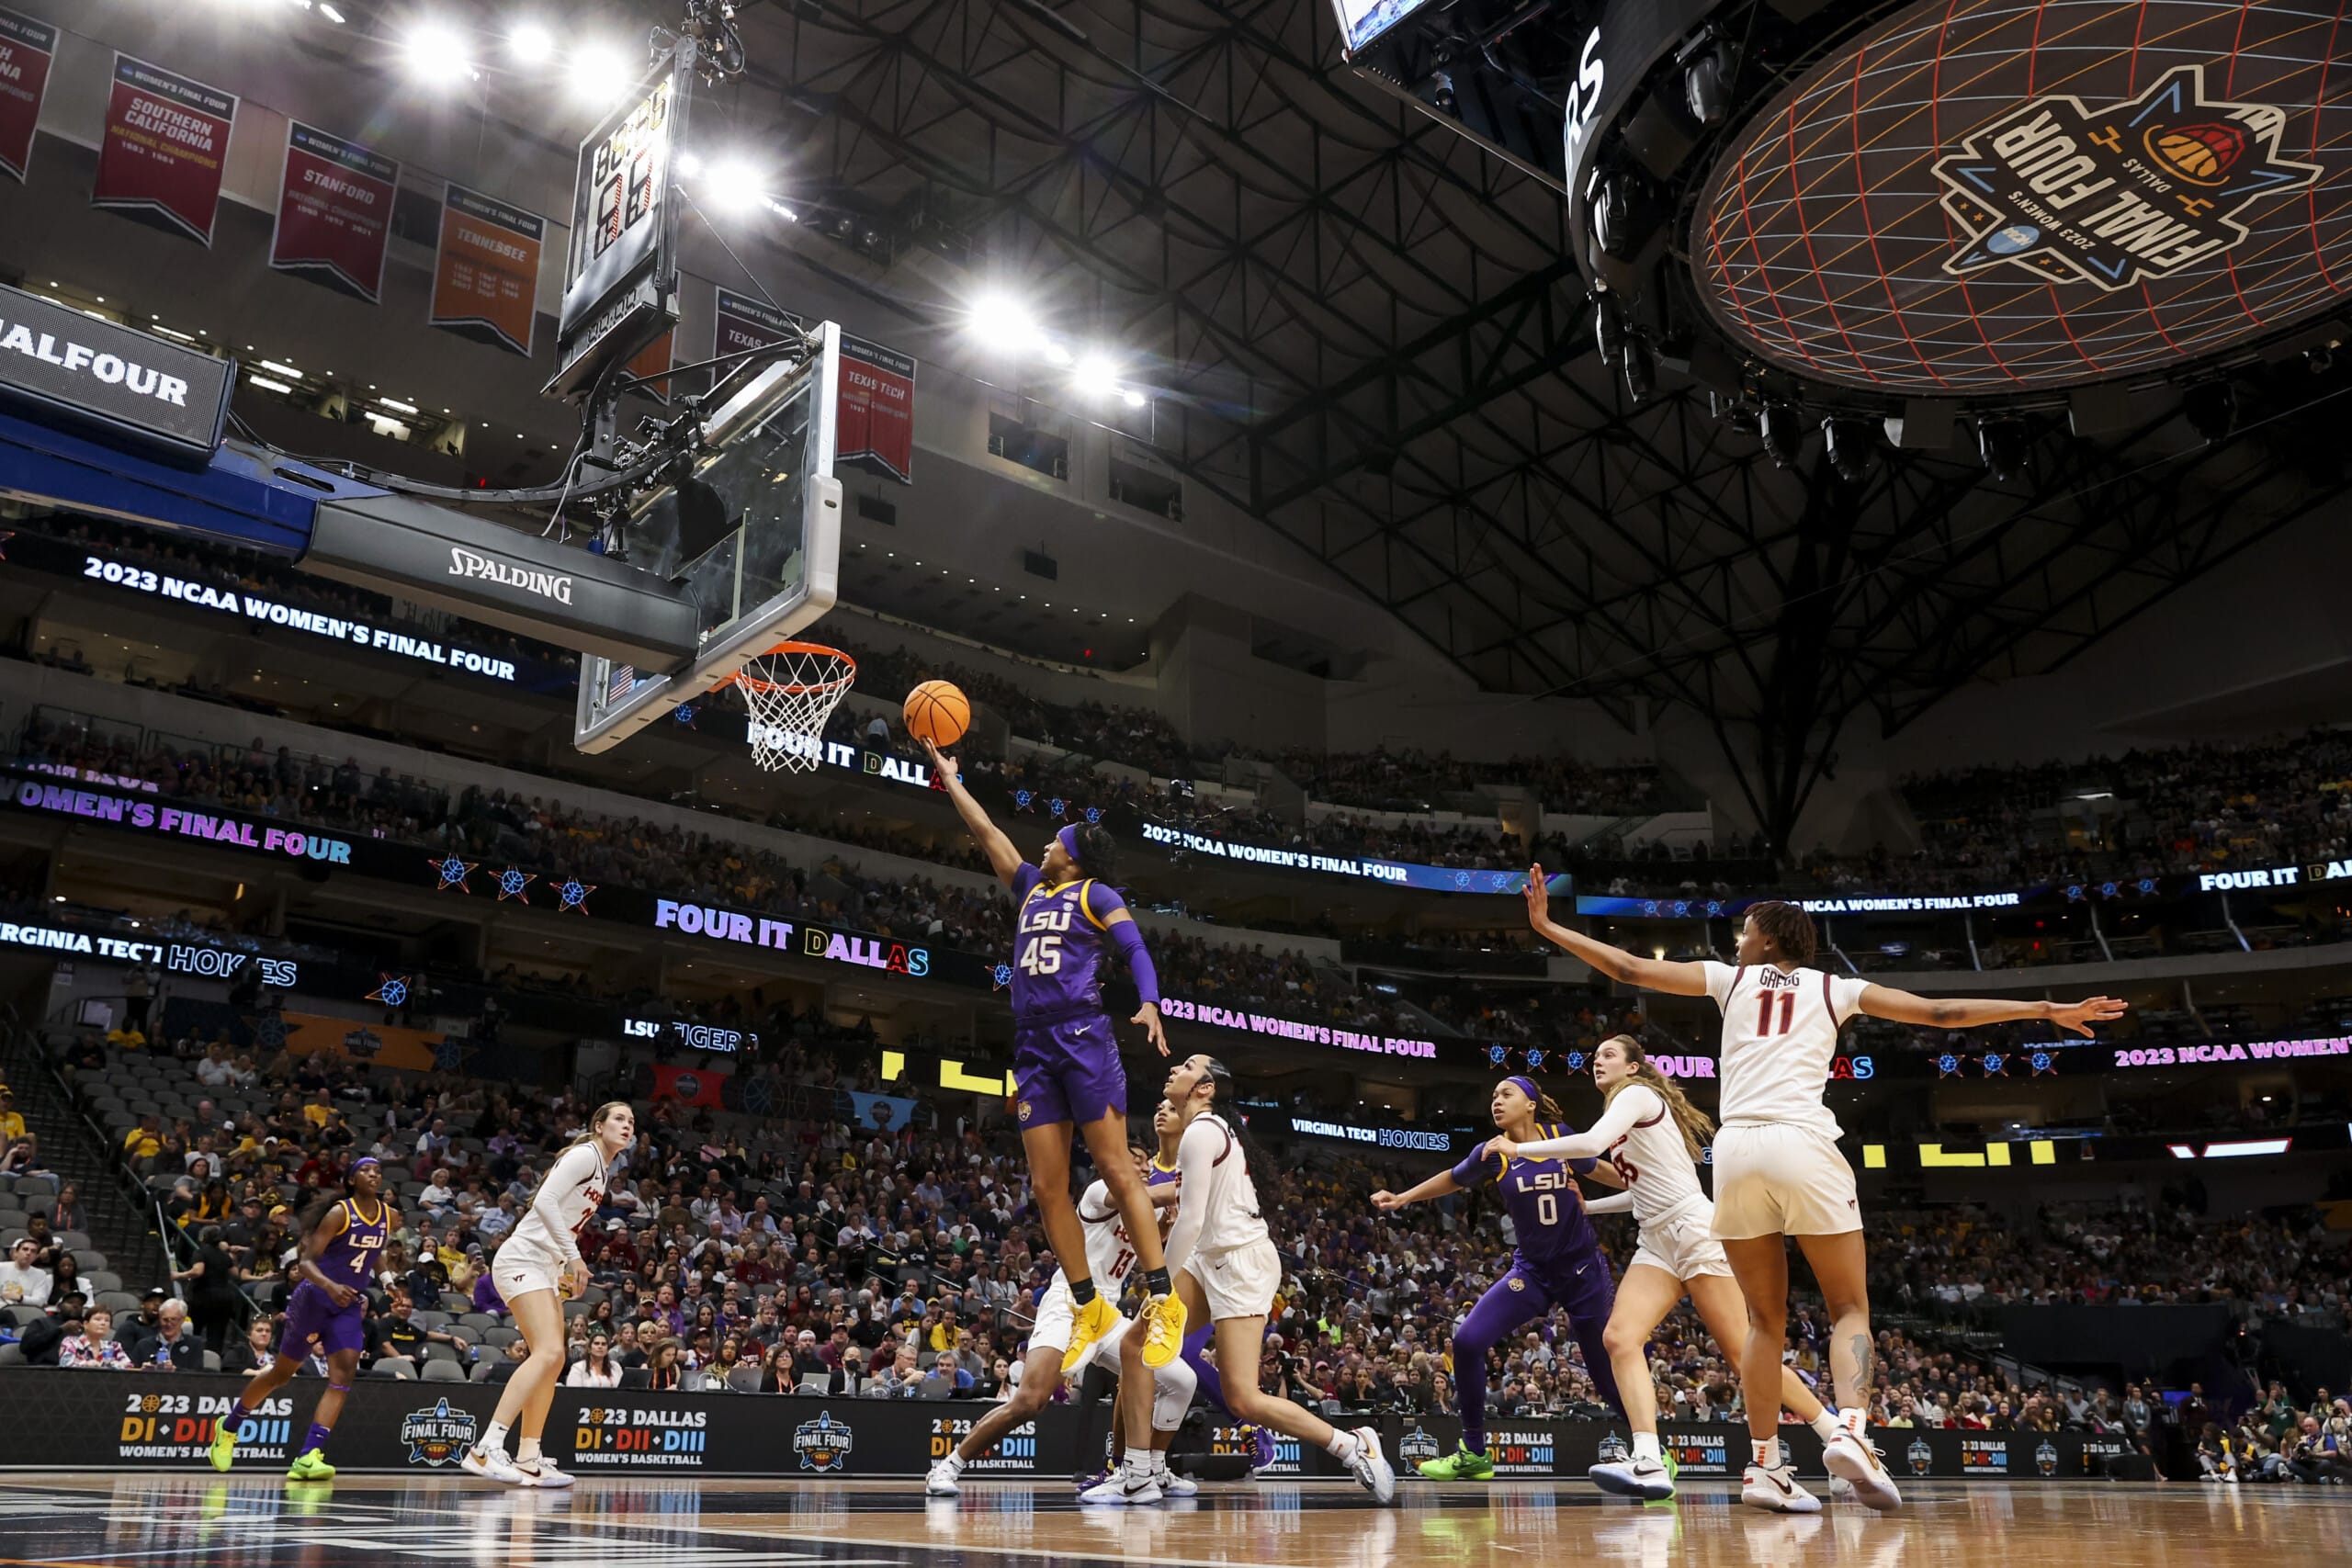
(1171, 1394)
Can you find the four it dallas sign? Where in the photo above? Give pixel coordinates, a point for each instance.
(2114, 197)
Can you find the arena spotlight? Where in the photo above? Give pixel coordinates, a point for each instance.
(599, 73)
(1708, 65)
(2212, 409)
(2002, 443)
(1784, 432)
(531, 44)
(438, 54)
(733, 186)
(1612, 214)
(1004, 325)
(1608, 327)
(1852, 446)
(1132, 398)
(1095, 376)
(1641, 369)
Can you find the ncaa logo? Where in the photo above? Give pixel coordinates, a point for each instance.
(823, 1444)
(1416, 1446)
(2045, 1457)
(1923, 1458)
(1614, 1449)
(437, 1436)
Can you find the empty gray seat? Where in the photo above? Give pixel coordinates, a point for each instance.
(443, 1371)
(393, 1366)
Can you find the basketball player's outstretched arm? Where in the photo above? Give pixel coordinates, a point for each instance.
(1649, 974)
(1002, 857)
(1964, 1012)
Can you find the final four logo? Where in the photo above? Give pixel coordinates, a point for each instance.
(1922, 1457)
(1416, 1446)
(823, 1444)
(2118, 195)
(438, 1435)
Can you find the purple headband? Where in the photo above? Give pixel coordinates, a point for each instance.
(364, 1159)
(1526, 1087)
(1069, 839)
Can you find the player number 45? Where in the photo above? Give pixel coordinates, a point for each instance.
(1043, 956)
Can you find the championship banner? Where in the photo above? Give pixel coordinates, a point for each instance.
(334, 213)
(166, 140)
(655, 360)
(876, 410)
(486, 270)
(742, 325)
(26, 46)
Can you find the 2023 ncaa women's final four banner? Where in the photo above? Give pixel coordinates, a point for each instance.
(27, 48)
(165, 143)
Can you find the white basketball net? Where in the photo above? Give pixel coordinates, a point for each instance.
(792, 690)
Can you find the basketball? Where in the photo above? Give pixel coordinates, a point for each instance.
(937, 712)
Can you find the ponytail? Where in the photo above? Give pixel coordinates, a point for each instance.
(1697, 1126)
(1253, 1158)
(603, 1112)
(1548, 1110)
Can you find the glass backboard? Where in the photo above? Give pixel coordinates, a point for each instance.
(773, 570)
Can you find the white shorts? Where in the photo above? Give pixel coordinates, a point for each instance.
(517, 1277)
(1777, 1178)
(1239, 1282)
(1682, 1243)
(1057, 1320)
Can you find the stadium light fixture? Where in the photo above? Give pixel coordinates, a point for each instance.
(330, 13)
(599, 73)
(531, 43)
(1095, 376)
(1005, 324)
(438, 54)
(734, 186)
(1133, 399)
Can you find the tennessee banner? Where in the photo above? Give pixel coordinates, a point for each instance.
(26, 46)
(876, 410)
(334, 213)
(161, 154)
(486, 271)
(656, 360)
(688, 1086)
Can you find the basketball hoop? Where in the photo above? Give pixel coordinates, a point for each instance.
(791, 690)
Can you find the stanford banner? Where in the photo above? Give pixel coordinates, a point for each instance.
(26, 46)
(160, 158)
(486, 271)
(876, 410)
(334, 213)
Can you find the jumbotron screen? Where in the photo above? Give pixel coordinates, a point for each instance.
(2012, 196)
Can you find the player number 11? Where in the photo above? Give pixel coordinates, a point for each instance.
(1787, 1000)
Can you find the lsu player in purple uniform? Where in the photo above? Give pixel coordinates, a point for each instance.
(1066, 1059)
(339, 1256)
(1557, 1262)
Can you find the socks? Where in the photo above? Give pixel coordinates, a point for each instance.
(1766, 1452)
(1825, 1425)
(315, 1441)
(1159, 1463)
(1855, 1420)
(955, 1463)
(494, 1438)
(1645, 1447)
(1081, 1290)
(1343, 1446)
(233, 1418)
(527, 1451)
(1155, 1283)
(1138, 1467)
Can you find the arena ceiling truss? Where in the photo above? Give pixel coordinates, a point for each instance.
(1368, 336)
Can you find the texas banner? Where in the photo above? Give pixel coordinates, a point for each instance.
(486, 271)
(334, 213)
(26, 46)
(159, 157)
(876, 410)
(742, 324)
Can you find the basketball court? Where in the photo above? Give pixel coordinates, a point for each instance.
(204, 1520)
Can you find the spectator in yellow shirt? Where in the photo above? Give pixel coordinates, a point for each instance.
(319, 1111)
(146, 1140)
(12, 1123)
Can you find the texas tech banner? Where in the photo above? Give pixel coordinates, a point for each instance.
(26, 46)
(334, 211)
(160, 153)
(877, 409)
(486, 271)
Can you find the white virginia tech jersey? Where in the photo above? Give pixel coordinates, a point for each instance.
(550, 1228)
(1650, 1151)
(1110, 1254)
(1779, 1038)
(1220, 1210)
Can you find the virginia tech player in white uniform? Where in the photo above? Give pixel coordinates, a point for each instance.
(1778, 1171)
(1652, 1137)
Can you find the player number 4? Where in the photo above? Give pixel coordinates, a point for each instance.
(1787, 1000)
(1043, 956)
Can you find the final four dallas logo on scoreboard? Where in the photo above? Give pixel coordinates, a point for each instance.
(2116, 196)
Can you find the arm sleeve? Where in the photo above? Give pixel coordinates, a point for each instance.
(1196, 1157)
(1102, 903)
(570, 1172)
(1634, 1103)
(1615, 1203)
(1720, 977)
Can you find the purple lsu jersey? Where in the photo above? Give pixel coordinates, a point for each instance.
(1058, 947)
(350, 1259)
(1555, 1236)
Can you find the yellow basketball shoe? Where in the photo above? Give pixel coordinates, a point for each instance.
(1095, 1319)
(1164, 1335)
